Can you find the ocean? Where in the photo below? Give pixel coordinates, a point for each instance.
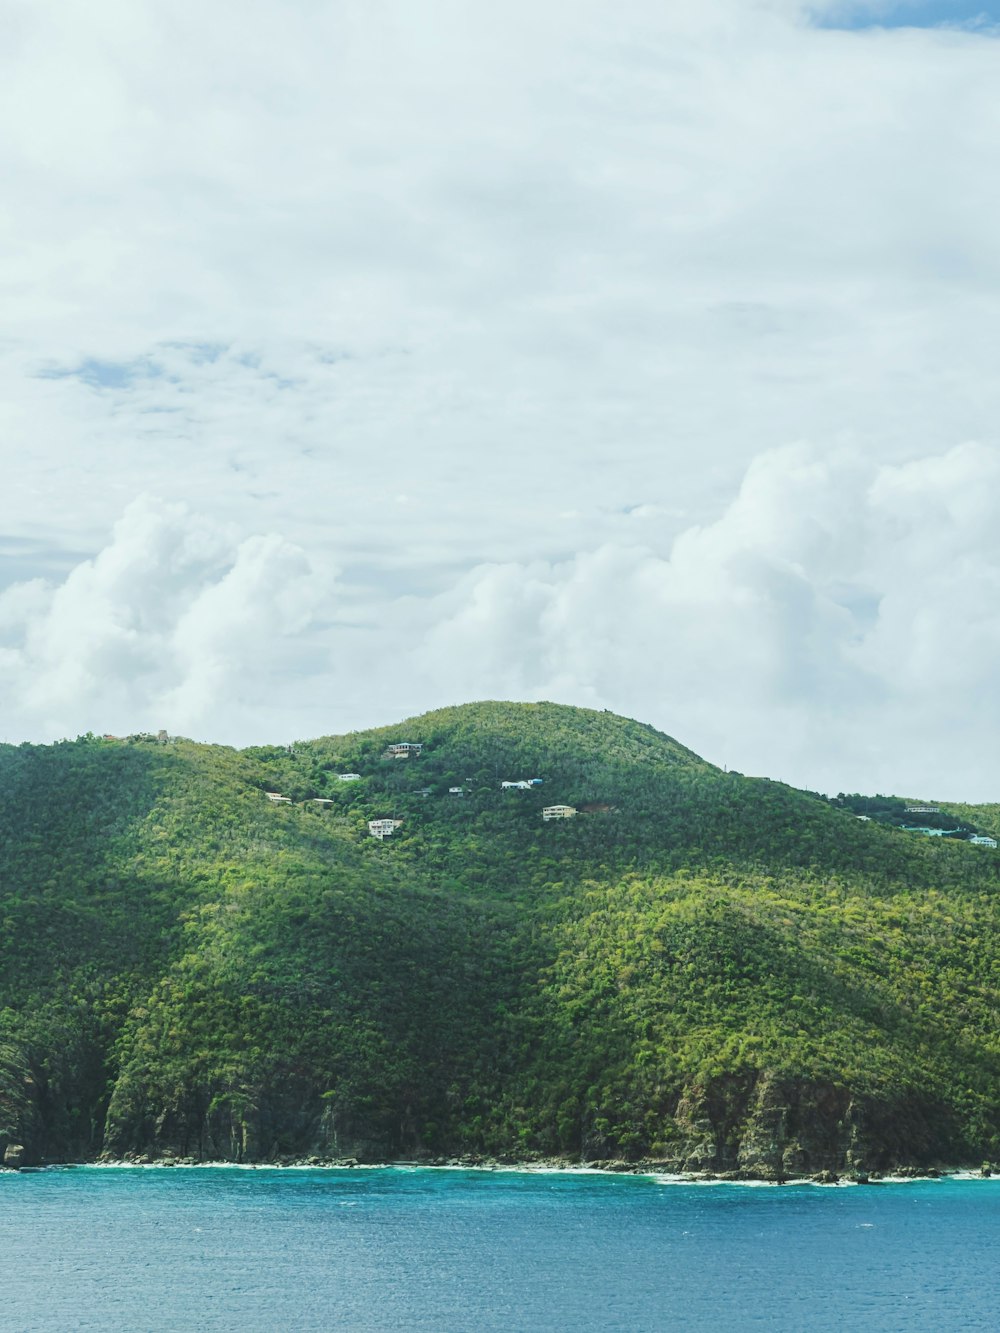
(211, 1248)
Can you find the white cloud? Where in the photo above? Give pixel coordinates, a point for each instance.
(649, 242)
(837, 625)
(448, 288)
(171, 620)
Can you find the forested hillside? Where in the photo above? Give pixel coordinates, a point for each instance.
(698, 968)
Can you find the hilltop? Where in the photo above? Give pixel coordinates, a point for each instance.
(206, 954)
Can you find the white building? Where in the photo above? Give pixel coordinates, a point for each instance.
(277, 798)
(348, 777)
(559, 812)
(383, 828)
(456, 791)
(321, 800)
(515, 786)
(403, 750)
(981, 840)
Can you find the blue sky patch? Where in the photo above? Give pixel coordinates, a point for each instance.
(106, 374)
(854, 14)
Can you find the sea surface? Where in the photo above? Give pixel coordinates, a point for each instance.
(398, 1248)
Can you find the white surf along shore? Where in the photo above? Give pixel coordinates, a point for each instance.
(536, 1169)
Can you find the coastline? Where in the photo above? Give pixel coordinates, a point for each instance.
(487, 1166)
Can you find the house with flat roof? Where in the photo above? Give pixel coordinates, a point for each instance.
(559, 812)
(402, 750)
(383, 828)
(982, 840)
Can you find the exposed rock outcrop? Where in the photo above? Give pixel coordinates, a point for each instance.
(766, 1126)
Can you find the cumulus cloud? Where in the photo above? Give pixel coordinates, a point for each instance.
(173, 618)
(836, 625)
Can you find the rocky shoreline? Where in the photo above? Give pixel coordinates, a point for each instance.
(15, 1162)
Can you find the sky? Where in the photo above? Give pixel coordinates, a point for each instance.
(359, 358)
(855, 14)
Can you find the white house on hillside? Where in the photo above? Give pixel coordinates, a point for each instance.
(403, 750)
(559, 812)
(348, 777)
(515, 786)
(383, 828)
(981, 840)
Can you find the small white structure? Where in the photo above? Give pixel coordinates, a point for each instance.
(320, 800)
(383, 828)
(515, 786)
(559, 812)
(922, 809)
(865, 819)
(456, 791)
(348, 777)
(981, 840)
(403, 750)
(277, 798)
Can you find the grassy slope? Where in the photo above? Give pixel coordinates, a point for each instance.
(185, 966)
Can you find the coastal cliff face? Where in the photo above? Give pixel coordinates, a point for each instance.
(751, 1127)
(699, 970)
(774, 1129)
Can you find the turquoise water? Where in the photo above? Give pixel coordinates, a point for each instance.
(461, 1250)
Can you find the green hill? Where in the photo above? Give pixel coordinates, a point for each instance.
(699, 968)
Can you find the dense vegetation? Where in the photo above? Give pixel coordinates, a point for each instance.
(701, 968)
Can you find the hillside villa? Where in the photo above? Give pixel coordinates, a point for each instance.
(402, 750)
(383, 828)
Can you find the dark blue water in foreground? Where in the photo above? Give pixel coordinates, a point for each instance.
(459, 1250)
